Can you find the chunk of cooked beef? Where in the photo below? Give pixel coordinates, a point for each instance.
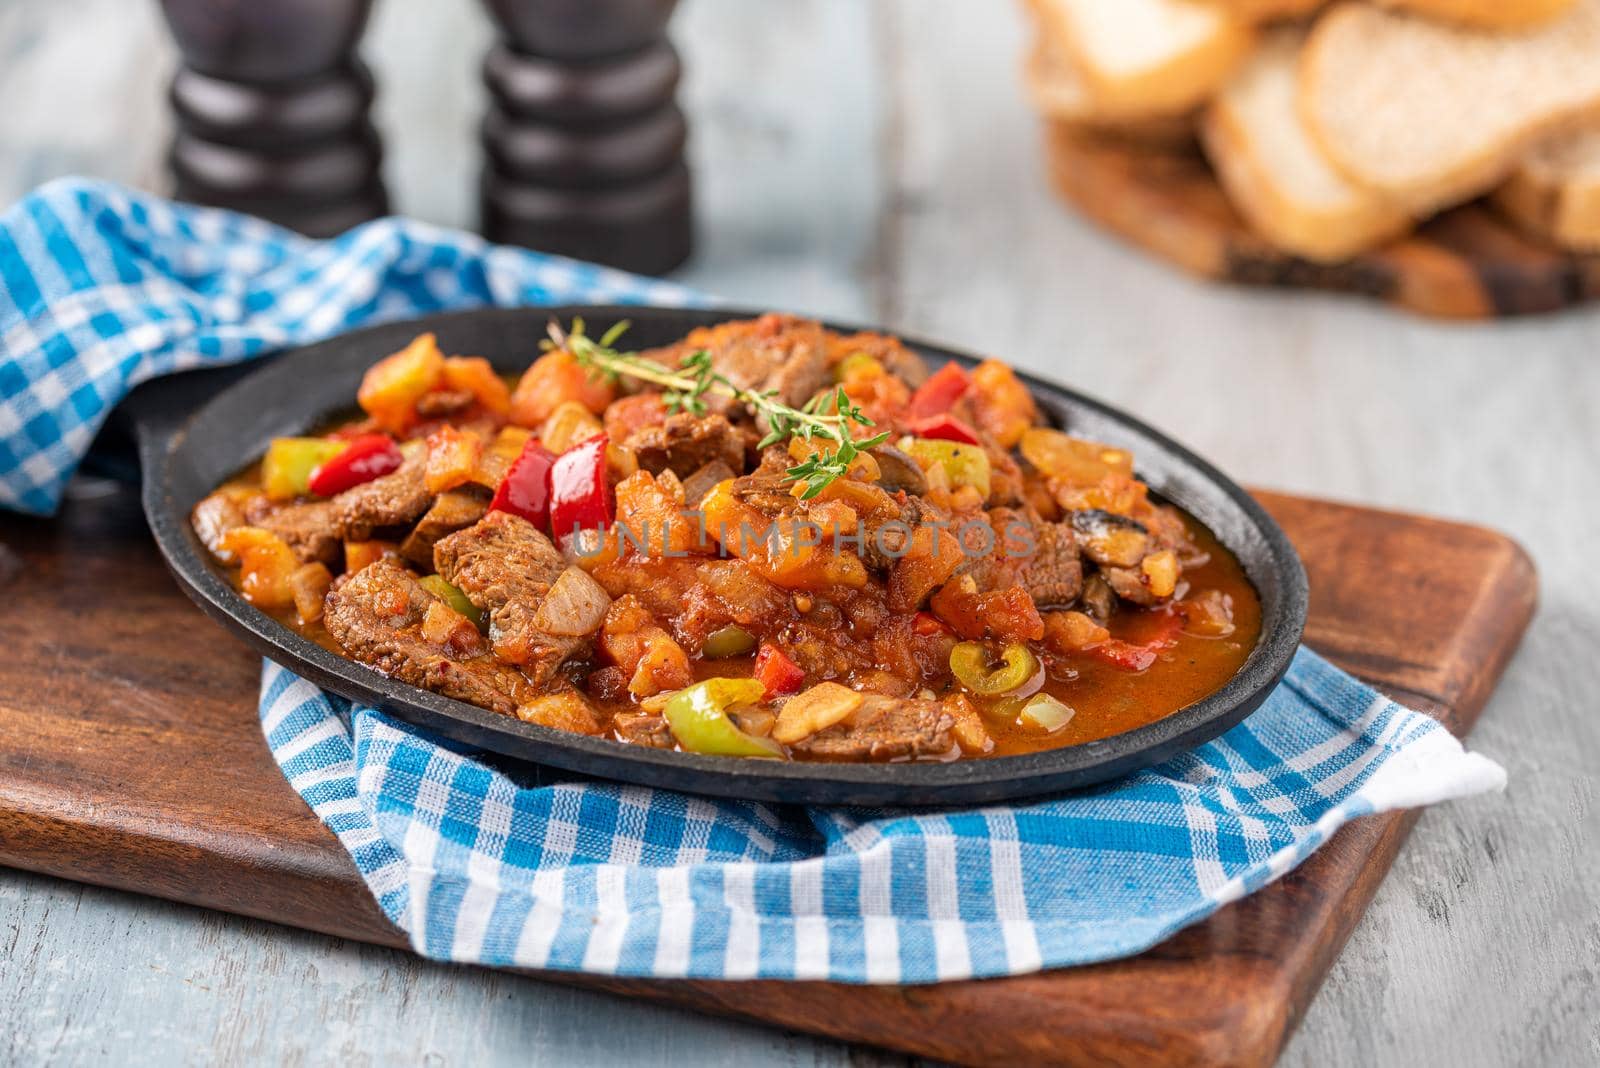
(884, 728)
(642, 728)
(885, 541)
(1130, 584)
(397, 499)
(311, 528)
(782, 353)
(766, 489)
(1098, 600)
(1053, 574)
(1025, 551)
(695, 597)
(377, 615)
(453, 510)
(704, 479)
(212, 518)
(685, 442)
(890, 351)
(505, 566)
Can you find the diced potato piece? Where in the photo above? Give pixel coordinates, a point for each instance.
(360, 554)
(969, 731)
(1074, 460)
(453, 458)
(477, 376)
(569, 424)
(1161, 573)
(652, 520)
(637, 644)
(1001, 404)
(565, 711)
(500, 454)
(392, 386)
(815, 710)
(447, 628)
(265, 564)
(863, 468)
(1068, 632)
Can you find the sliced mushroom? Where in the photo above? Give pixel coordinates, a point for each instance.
(1098, 600)
(1111, 540)
(898, 471)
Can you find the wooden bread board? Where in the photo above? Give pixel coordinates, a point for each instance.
(130, 757)
(1468, 263)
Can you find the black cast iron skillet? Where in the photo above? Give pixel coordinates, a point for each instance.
(197, 430)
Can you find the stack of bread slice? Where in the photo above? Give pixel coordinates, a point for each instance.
(1334, 128)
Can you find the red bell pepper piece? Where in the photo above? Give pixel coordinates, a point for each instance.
(1137, 656)
(580, 496)
(525, 489)
(367, 457)
(938, 393)
(944, 428)
(777, 672)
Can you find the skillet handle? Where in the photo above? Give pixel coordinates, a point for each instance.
(148, 417)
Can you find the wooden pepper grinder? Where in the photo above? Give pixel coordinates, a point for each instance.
(584, 140)
(272, 111)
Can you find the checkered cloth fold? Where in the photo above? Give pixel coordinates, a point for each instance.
(103, 288)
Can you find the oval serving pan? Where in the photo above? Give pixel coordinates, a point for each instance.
(197, 430)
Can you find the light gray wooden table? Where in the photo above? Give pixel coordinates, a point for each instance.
(875, 160)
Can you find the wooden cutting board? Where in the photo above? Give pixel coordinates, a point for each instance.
(130, 757)
(1468, 263)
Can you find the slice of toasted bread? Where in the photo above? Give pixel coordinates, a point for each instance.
(1274, 173)
(1157, 57)
(1493, 14)
(1061, 94)
(1555, 192)
(1430, 114)
(1269, 10)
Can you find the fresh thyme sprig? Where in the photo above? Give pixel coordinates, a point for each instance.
(827, 416)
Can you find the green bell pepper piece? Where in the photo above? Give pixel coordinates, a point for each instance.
(966, 465)
(450, 595)
(698, 717)
(287, 466)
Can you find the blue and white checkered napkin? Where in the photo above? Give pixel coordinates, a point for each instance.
(104, 287)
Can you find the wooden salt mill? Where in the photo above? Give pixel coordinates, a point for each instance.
(272, 111)
(584, 141)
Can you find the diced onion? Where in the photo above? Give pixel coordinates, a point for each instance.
(576, 605)
(1046, 713)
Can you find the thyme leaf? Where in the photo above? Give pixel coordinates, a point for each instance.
(827, 417)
